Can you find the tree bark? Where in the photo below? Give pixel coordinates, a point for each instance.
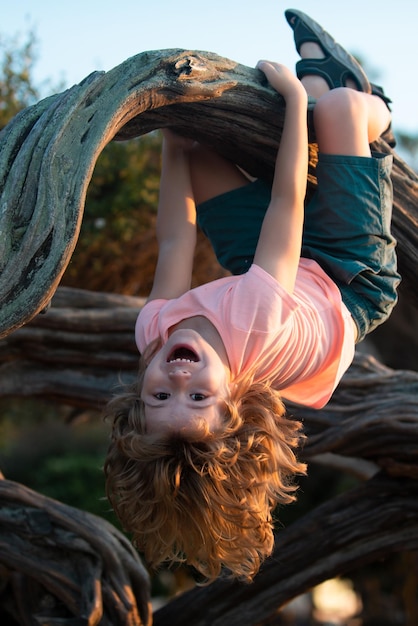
(59, 564)
(48, 153)
(76, 352)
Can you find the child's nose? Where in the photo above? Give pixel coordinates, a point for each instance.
(179, 373)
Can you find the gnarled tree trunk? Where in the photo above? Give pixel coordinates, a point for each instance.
(76, 352)
(58, 563)
(48, 153)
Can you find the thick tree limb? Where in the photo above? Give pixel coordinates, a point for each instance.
(59, 564)
(48, 153)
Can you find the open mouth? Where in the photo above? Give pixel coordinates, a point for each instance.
(182, 353)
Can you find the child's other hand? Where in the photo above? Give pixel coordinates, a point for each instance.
(177, 141)
(281, 78)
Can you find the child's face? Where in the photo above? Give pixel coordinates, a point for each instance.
(186, 379)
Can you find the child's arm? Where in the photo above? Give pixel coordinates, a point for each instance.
(176, 221)
(279, 244)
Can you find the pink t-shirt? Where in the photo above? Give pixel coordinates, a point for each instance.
(301, 343)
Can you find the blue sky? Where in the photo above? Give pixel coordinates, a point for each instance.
(78, 37)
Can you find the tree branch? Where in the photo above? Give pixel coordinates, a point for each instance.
(48, 153)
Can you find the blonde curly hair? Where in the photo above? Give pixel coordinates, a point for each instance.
(207, 498)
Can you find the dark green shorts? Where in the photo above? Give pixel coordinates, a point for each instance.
(346, 230)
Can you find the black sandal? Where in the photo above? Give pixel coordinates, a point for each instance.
(337, 65)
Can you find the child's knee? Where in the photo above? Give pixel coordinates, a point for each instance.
(338, 104)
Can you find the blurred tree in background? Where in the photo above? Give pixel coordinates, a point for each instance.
(117, 234)
(17, 90)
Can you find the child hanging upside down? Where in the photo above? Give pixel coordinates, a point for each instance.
(201, 449)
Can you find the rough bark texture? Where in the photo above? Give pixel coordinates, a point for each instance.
(48, 153)
(78, 350)
(58, 563)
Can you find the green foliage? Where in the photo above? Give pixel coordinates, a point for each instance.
(53, 458)
(119, 219)
(16, 87)
(126, 177)
(124, 183)
(74, 478)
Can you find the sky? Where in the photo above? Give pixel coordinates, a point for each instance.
(78, 37)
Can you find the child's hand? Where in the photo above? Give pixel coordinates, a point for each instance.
(177, 141)
(281, 78)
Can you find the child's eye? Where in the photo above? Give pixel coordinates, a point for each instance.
(197, 397)
(162, 395)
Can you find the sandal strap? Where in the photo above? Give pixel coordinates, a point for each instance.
(334, 72)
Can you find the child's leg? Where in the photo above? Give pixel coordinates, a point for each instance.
(347, 121)
(230, 207)
(325, 65)
(347, 221)
(212, 175)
